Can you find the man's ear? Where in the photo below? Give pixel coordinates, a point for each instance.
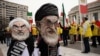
(38, 25)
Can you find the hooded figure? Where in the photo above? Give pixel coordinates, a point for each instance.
(46, 19)
(22, 41)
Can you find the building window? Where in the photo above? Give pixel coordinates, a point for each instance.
(95, 15)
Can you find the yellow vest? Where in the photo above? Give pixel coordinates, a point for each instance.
(73, 30)
(80, 30)
(98, 31)
(59, 30)
(88, 32)
(34, 31)
(95, 30)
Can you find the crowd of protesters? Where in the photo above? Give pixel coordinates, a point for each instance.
(5, 36)
(86, 32)
(73, 33)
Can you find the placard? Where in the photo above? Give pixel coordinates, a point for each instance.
(17, 49)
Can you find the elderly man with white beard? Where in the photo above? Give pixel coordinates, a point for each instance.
(46, 19)
(22, 41)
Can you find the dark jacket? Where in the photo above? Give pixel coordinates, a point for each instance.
(43, 47)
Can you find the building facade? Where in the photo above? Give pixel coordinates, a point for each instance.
(9, 9)
(93, 12)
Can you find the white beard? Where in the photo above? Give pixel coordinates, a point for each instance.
(50, 39)
(20, 37)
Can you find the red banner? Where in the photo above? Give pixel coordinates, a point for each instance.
(83, 6)
(97, 23)
(83, 9)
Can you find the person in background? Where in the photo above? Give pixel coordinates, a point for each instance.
(94, 29)
(8, 36)
(46, 19)
(65, 35)
(22, 43)
(87, 33)
(1, 35)
(59, 31)
(73, 33)
(35, 32)
(80, 32)
(98, 37)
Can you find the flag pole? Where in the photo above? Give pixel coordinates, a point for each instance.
(80, 19)
(82, 11)
(63, 14)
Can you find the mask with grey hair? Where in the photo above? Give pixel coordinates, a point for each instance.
(19, 33)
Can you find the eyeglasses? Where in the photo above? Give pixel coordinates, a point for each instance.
(19, 27)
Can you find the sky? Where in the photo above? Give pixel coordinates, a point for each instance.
(33, 5)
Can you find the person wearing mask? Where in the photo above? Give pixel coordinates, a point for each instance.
(46, 19)
(22, 43)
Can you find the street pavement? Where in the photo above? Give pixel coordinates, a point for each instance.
(65, 51)
(79, 46)
(74, 52)
(1, 53)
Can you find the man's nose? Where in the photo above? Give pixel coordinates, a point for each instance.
(19, 28)
(52, 26)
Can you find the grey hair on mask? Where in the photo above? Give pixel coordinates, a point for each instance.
(18, 20)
